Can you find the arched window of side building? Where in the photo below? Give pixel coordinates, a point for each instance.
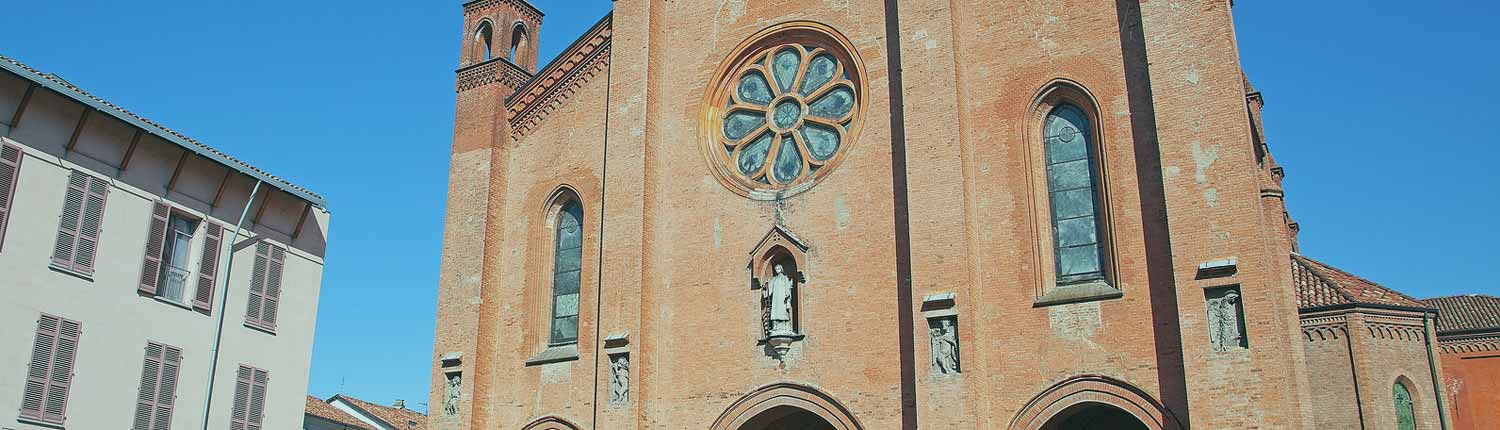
(567, 256)
(1073, 193)
(1406, 418)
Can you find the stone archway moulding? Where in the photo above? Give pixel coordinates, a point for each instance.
(786, 395)
(1093, 389)
(550, 423)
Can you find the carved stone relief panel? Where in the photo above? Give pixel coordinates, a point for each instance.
(1226, 319)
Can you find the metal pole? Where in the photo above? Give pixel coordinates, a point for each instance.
(213, 364)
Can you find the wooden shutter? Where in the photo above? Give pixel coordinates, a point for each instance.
(79, 226)
(273, 286)
(239, 417)
(10, 172)
(258, 283)
(258, 382)
(154, 404)
(208, 267)
(156, 239)
(50, 373)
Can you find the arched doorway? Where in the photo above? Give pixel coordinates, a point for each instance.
(1094, 416)
(786, 406)
(786, 418)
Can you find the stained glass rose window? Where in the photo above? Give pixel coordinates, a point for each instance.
(786, 110)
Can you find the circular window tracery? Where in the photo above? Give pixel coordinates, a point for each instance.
(786, 109)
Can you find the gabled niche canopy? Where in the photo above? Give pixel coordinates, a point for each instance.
(778, 246)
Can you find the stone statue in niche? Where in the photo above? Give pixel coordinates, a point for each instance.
(619, 381)
(944, 347)
(1224, 322)
(777, 297)
(450, 397)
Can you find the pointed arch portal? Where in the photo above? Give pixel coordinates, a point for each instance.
(1094, 403)
(786, 407)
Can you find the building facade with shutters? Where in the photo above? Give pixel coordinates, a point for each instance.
(126, 279)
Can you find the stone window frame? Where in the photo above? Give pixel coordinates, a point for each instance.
(540, 266)
(1055, 93)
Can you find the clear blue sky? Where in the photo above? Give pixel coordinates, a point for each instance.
(1377, 109)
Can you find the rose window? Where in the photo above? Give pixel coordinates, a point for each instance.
(785, 113)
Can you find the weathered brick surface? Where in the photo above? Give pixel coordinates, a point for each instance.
(1471, 376)
(666, 245)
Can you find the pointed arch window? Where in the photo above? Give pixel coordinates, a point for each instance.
(1073, 193)
(517, 41)
(1406, 418)
(485, 35)
(567, 255)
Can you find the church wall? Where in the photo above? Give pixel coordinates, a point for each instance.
(1210, 185)
(1390, 349)
(699, 316)
(1327, 343)
(1007, 54)
(1471, 367)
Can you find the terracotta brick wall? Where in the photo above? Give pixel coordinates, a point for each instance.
(1471, 371)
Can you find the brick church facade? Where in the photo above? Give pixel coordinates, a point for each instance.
(860, 214)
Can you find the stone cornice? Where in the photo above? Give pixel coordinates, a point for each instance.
(555, 84)
(1471, 343)
(525, 7)
(489, 72)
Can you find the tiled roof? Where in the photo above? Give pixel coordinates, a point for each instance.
(327, 412)
(1320, 285)
(400, 419)
(1466, 312)
(61, 86)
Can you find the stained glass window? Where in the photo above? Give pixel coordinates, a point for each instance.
(567, 256)
(1073, 190)
(787, 111)
(1406, 418)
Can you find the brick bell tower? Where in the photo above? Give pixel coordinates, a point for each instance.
(497, 55)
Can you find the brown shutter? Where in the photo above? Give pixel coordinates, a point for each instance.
(156, 239)
(258, 283)
(166, 394)
(208, 267)
(10, 172)
(61, 376)
(41, 365)
(72, 215)
(238, 418)
(90, 226)
(153, 408)
(273, 287)
(145, 401)
(258, 398)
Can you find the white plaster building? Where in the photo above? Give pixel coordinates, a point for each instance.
(122, 270)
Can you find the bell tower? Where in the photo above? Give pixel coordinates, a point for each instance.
(501, 29)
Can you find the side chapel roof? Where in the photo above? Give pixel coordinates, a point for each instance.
(1320, 285)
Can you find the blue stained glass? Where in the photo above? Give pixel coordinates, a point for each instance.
(819, 71)
(567, 254)
(740, 123)
(1082, 260)
(822, 141)
(788, 162)
(753, 88)
(1069, 175)
(835, 104)
(1072, 191)
(785, 66)
(1076, 231)
(786, 114)
(1073, 203)
(754, 154)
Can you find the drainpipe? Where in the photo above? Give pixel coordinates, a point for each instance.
(1437, 391)
(213, 364)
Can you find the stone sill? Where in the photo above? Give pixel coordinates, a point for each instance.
(1075, 293)
(40, 422)
(554, 354)
(69, 271)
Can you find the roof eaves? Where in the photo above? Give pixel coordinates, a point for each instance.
(60, 86)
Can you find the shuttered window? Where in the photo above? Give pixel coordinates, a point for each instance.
(156, 239)
(51, 371)
(154, 404)
(208, 268)
(265, 286)
(249, 398)
(79, 226)
(10, 172)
